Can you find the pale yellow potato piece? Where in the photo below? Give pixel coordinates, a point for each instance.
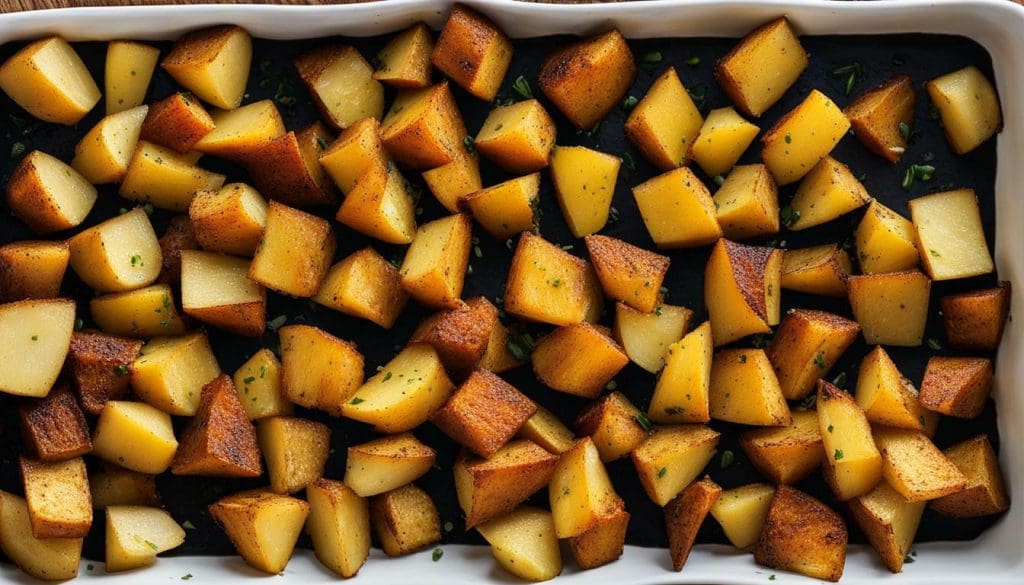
(237, 132)
(120, 254)
(888, 398)
(295, 450)
(722, 140)
(384, 464)
(50, 559)
(320, 370)
(508, 208)
(165, 178)
(434, 268)
(342, 84)
(827, 192)
(584, 185)
(144, 312)
(263, 526)
(524, 543)
(969, 107)
(127, 73)
(405, 60)
(111, 485)
(803, 137)
(50, 81)
(546, 430)
(380, 205)
(681, 392)
(678, 210)
(665, 123)
(216, 289)
(742, 511)
(294, 253)
(452, 181)
(886, 241)
(103, 154)
(135, 436)
(136, 534)
(35, 336)
(580, 491)
(48, 195)
(758, 71)
(646, 337)
(950, 237)
(339, 525)
(213, 63)
(170, 372)
(258, 383)
(671, 458)
(853, 465)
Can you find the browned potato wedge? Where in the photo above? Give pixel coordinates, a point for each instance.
(985, 492)
(741, 290)
(743, 72)
(178, 122)
(473, 52)
(819, 270)
(424, 129)
(889, 521)
(165, 179)
(957, 386)
(387, 463)
(602, 543)
(577, 359)
(671, 458)
(878, 116)
(48, 195)
(32, 269)
(647, 338)
(546, 430)
(743, 389)
(405, 520)
(580, 491)
(915, 467)
(49, 80)
(484, 413)
(342, 84)
(614, 425)
(786, 455)
(287, 168)
(853, 465)
(975, 319)
(969, 107)
(219, 441)
(950, 235)
(684, 515)
(356, 151)
(627, 273)
(294, 253)
(461, 335)
(805, 347)
(58, 499)
(54, 428)
(364, 285)
(547, 284)
(452, 182)
(747, 203)
(488, 488)
(678, 210)
(405, 61)
(295, 451)
(179, 236)
(320, 370)
(891, 308)
(213, 63)
(890, 399)
(681, 392)
(95, 361)
(240, 132)
(216, 289)
(722, 140)
(584, 181)
(434, 268)
(229, 220)
(381, 206)
(518, 138)
(664, 125)
(802, 137)
(802, 535)
(263, 526)
(136, 436)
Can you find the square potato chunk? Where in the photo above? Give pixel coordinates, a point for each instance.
(387, 463)
(803, 137)
(950, 236)
(742, 290)
(35, 337)
(216, 289)
(103, 154)
(891, 308)
(461, 336)
(827, 192)
(524, 543)
(747, 204)
(32, 269)
(178, 122)
(342, 84)
(677, 210)
(170, 372)
(229, 220)
(985, 492)
(127, 72)
(578, 359)
(878, 115)
(50, 81)
(853, 465)
(665, 123)
(473, 52)
(886, 241)
(452, 182)
(786, 455)
(424, 129)
(957, 386)
(339, 525)
(507, 208)
(434, 268)
(49, 195)
(584, 184)
(145, 312)
(681, 392)
(54, 428)
(295, 450)
(135, 535)
(890, 399)
(488, 488)
(295, 252)
(287, 168)
(320, 370)
(57, 494)
(889, 521)
(975, 319)
(743, 389)
(602, 543)
(355, 152)
(757, 72)
(98, 365)
(805, 347)
(915, 467)
(518, 138)
(803, 535)
(49, 559)
(212, 63)
(722, 140)
(380, 205)
(405, 520)
(484, 413)
(364, 285)
(548, 284)
(260, 388)
(741, 513)
(164, 178)
(969, 107)
(580, 491)
(647, 338)
(135, 436)
(614, 425)
(262, 526)
(820, 270)
(238, 132)
(671, 458)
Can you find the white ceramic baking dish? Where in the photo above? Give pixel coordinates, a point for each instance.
(998, 25)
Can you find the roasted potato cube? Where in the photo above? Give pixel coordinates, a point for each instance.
(294, 253)
(985, 491)
(287, 168)
(239, 132)
(32, 269)
(664, 125)
(405, 520)
(219, 441)
(546, 430)
(54, 428)
(547, 284)
(647, 337)
(120, 254)
(602, 543)
(135, 436)
(819, 270)
(165, 179)
(48, 195)
(295, 450)
(111, 485)
(950, 237)
(722, 140)
(681, 392)
(891, 308)
(127, 71)
(885, 241)
(742, 511)
(584, 182)
(356, 151)
(969, 107)
(614, 425)
(103, 154)
(229, 220)
(671, 458)
(497, 357)
(739, 291)
(452, 182)
(404, 393)
(49, 80)
(802, 535)
(144, 312)
(805, 347)
(405, 61)
(216, 289)
(260, 388)
(588, 78)
(178, 236)
(747, 203)
(878, 116)
(743, 389)
(577, 359)
(915, 467)
(57, 494)
(678, 210)
(853, 465)
(489, 488)
(957, 386)
(423, 129)
(888, 398)
(518, 137)
(461, 335)
(524, 543)
(170, 372)
(177, 122)
(786, 455)
(627, 273)
(136, 534)
(380, 206)
(434, 268)
(364, 285)
(795, 144)
(828, 191)
(212, 63)
(320, 370)
(35, 336)
(484, 413)
(889, 521)
(387, 463)
(262, 526)
(342, 84)
(758, 71)
(507, 208)
(339, 525)
(684, 515)
(975, 319)
(580, 491)
(473, 52)
(49, 559)
(98, 364)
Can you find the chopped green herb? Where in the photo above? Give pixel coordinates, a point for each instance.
(743, 358)
(852, 72)
(840, 380)
(692, 61)
(121, 370)
(17, 150)
(152, 545)
(719, 180)
(276, 323)
(918, 172)
(657, 311)
(789, 138)
(90, 567)
(522, 87)
(356, 400)
(611, 385)
(629, 103)
(321, 142)
(934, 252)
(699, 95)
(760, 341)
(905, 130)
(830, 427)
(249, 380)
(819, 360)
(651, 60)
(627, 159)
(520, 345)
(838, 454)
(467, 143)
(149, 209)
(644, 422)
(437, 554)
(35, 338)
(662, 472)
(788, 215)
(556, 282)
(807, 403)
(727, 459)
(908, 559)
(934, 344)
(188, 525)
(387, 377)
(136, 260)
(186, 577)
(79, 324)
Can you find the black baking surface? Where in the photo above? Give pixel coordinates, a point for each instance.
(923, 57)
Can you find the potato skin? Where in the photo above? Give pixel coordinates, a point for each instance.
(54, 427)
(460, 335)
(179, 236)
(502, 482)
(956, 386)
(876, 116)
(975, 320)
(405, 520)
(986, 490)
(32, 269)
(178, 122)
(684, 515)
(603, 542)
(803, 535)
(280, 170)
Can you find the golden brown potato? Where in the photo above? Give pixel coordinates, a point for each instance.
(49, 80)
(451, 182)
(58, 499)
(127, 72)
(602, 543)
(671, 458)
(259, 386)
(179, 236)
(287, 168)
(488, 488)
(498, 358)
(213, 63)
(381, 206)
(518, 137)
(805, 347)
(111, 485)
(216, 289)
(424, 129)
(145, 312)
(915, 467)
(32, 269)
(890, 399)
(294, 253)
(678, 210)
(969, 107)
(473, 52)
(879, 115)
(405, 61)
(219, 440)
(786, 455)
(461, 335)
(853, 465)
(885, 241)
(135, 436)
(802, 535)
(54, 428)
(742, 511)
(747, 203)
(35, 336)
(524, 543)
(647, 338)
(48, 195)
(356, 151)
(614, 425)
(802, 137)
(262, 526)
(339, 525)
(320, 370)
(577, 359)
(580, 491)
(891, 308)
(229, 220)
(975, 319)
(364, 285)
(178, 122)
(547, 284)
(584, 181)
(681, 392)
(103, 154)
(546, 430)
(985, 491)
(434, 268)
(828, 191)
(50, 559)
(627, 273)
(295, 451)
(684, 515)
(95, 361)
(588, 78)
(170, 372)
(665, 123)
(342, 84)
(387, 463)
(722, 140)
(239, 132)
(889, 521)
(508, 208)
(950, 236)
(762, 67)
(741, 290)
(820, 270)
(405, 520)
(743, 389)
(484, 413)
(957, 386)
(165, 179)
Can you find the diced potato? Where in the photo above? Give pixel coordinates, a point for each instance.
(738, 290)
(135, 436)
(111, 485)
(342, 84)
(743, 389)
(35, 336)
(405, 520)
(128, 69)
(722, 140)
(684, 516)
(177, 237)
(295, 451)
(434, 268)
(103, 154)
(320, 370)
(805, 347)
(135, 535)
(238, 132)
(957, 386)
(546, 430)
(786, 455)
(356, 151)
(888, 398)
(171, 372)
(216, 289)
(339, 525)
(461, 335)
(384, 464)
(262, 526)
(614, 425)
(602, 543)
(404, 393)
(380, 206)
(577, 359)
(54, 428)
(524, 543)
(795, 144)
(32, 269)
(177, 122)
(681, 392)
(975, 319)
(885, 241)
(802, 535)
(677, 210)
(915, 467)
(451, 182)
(853, 465)
(647, 338)
(484, 413)
(665, 124)
(294, 253)
(891, 308)
(819, 270)
(828, 191)
(889, 521)
(507, 208)
(229, 220)
(762, 67)
(48, 195)
(49, 559)
(164, 178)
(580, 491)
(627, 273)
(144, 312)
(497, 357)
(969, 107)
(405, 61)
(742, 511)
(212, 63)
(57, 494)
(287, 168)
(473, 52)
(489, 488)
(985, 491)
(364, 285)
(518, 137)
(547, 284)
(219, 441)
(259, 386)
(49, 80)
(584, 184)
(876, 117)
(950, 237)
(747, 203)
(671, 458)
(423, 129)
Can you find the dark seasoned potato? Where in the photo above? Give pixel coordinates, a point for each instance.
(484, 413)
(54, 428)
(98, 364)
(803, 535)
(220, 440)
